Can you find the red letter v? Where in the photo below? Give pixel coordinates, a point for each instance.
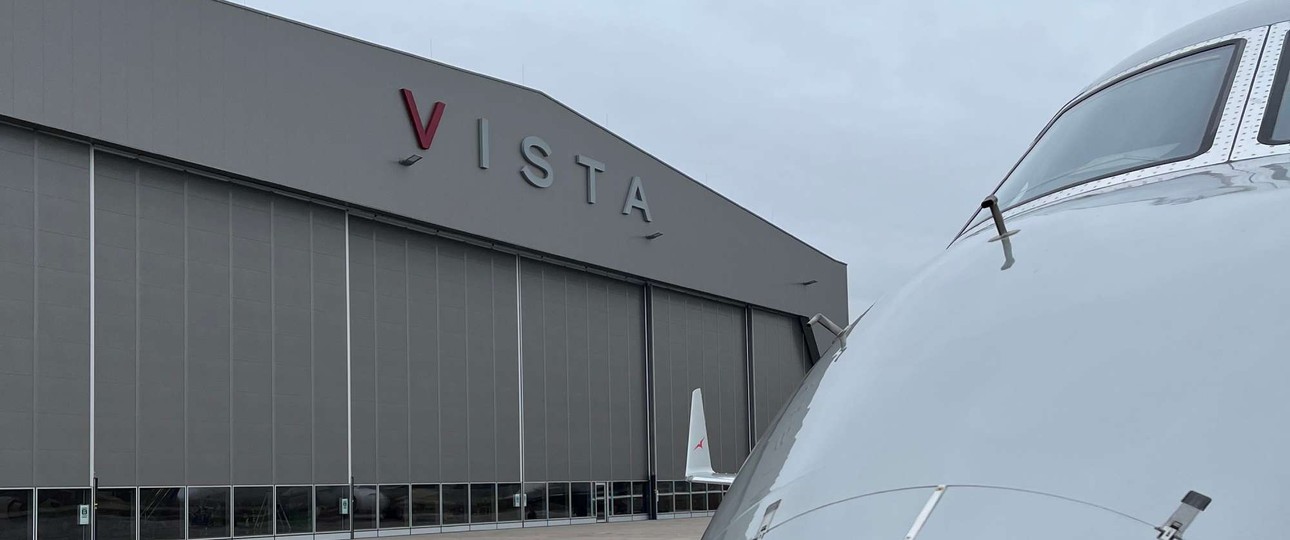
(425, 133)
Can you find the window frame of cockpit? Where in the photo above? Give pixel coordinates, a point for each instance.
(1277, 93)
(1211, 129)
(1241, 41)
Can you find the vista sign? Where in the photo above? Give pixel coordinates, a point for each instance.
(535, 151)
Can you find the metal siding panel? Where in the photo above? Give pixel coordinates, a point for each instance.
(453, 348)
(330, 380)
(209, 330)
(292, 340)
(114, 85)
(6, 54)
(423, 355)
(555, 298)
(621, 382)
(18, 366)
(161, 340)
(639, 437)
(739, 342)
(164, 38)
(362, 350)
(710, 381)
(392, 354)
(506, 341)
(663, 387)
(28, 73)
(578, 392)
(56, 57)
(481, 378)
(85, 73)
(534, 351)
(251, 337)
(601, 407)
(781, 363)
(62, 314)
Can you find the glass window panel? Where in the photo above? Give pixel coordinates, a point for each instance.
(714, 500)
(394, 507)
(665, 504)
(535, 504)
(295, 510)
(425, 506)
(1276, 123)
(622, 489)
(638, 505)
(115, 514)
(557, 500)
(161, 513)
(664, 486)
(508, 507)
(58, 514)
(1161, 115)
(622, 506)
(365, 506)
(15, 514)
(682, 487)
(252, 511)
(680, 501)
(699, 501)
(639, 488)
(456, 500)
(580, 499)
(483, 503)
(208, 512)
(327, 516)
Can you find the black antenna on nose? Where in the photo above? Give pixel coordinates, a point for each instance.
(991, 203)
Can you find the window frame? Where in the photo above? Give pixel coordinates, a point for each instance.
(1250, 43)
(1211, 129)
(1277, 93)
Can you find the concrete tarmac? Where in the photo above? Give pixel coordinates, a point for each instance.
(667, 529)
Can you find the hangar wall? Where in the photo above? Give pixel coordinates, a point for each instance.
(220, 360)
(233, 90)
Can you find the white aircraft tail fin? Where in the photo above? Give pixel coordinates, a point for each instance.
(698, 461)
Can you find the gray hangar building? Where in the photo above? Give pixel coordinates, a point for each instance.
(246, 263)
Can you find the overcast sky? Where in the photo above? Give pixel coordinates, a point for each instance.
(870, 129)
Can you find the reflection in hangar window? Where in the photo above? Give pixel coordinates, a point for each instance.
(114, 516)
(455, 503)
(1276, 125)
(208, 512)
(327, 509)
(394, 506)
(161, 513)
(252, 510)
(425, 506)
(295, 510)
(1167, 113)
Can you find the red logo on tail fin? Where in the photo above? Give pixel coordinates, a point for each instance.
(700, 445)
(425, 132)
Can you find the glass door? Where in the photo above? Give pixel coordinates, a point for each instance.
(602, 501)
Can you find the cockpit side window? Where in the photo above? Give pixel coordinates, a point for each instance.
(1276, 125)
(1163, 114)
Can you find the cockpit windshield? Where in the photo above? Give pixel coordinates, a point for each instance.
(1164, 114)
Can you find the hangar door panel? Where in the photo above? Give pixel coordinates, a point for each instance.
(699, 343)
(584, 376)
(220, 325)
(44, 310)
(434, 359)
(780, 362)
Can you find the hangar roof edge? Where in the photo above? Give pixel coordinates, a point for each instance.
(540, 93)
